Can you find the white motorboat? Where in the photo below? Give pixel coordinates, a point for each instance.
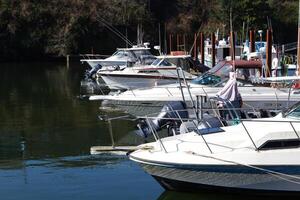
(160, 72)
(255, 156)
(124, 57)
(140, 102)
(222, 52)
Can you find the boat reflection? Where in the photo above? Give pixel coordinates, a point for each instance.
(170, 195)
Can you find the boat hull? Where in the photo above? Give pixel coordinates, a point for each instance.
(236, 179)
(117, 82)
(146, 107)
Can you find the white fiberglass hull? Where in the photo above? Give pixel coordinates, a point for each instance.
(227, 159)
(117, 82)
(223, 178)
(151, 100)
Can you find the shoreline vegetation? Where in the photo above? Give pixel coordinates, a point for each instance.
(39, 30)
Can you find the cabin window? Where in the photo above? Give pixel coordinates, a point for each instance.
(148, 71)
(280, 144)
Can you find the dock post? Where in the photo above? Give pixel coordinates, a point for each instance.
(170, 42)
(68, 61)
(269, 53)
(184, 43)
(232, 47)
(177, 42)
(213, 49)
(252, 42)
(202, 48)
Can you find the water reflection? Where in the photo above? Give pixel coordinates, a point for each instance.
(77, 161)
(41, 116)
(45, 137)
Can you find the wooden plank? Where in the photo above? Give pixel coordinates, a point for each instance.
(116, 149)
(120, 150)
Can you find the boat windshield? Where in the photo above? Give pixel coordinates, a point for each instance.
(207, 79)
(213, 76)
(120, 54)
(293, 112)
(165, 63)
(239, 82)
(141, 52)
(156, 62)
(218, 81)
(221, 69)
(161, 62)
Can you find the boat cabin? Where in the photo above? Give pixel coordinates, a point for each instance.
(245, 70)
(140, 55)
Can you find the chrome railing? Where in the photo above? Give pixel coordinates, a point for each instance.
(196, 121)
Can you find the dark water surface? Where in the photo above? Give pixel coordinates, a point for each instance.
(45, 137)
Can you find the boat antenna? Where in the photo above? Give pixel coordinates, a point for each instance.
(140, 34)
(159, 37)
(114, 30)
(194, 43)
(165, 40)
(232, 41)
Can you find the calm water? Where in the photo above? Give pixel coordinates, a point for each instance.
(45, 137)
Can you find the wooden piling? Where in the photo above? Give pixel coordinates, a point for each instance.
(202, 48)
(232, 48)
(184, 43)
(170, 42)
(269, 53)
(178, 42)
(68, 61)
(213, 49)
(252, 41)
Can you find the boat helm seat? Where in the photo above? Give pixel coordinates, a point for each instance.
(207, 122)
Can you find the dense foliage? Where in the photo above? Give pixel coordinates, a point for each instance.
(34, 29)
